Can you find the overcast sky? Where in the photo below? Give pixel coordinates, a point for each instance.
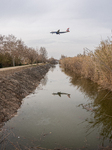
(90, 21)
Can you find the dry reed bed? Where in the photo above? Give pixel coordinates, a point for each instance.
(96, 66)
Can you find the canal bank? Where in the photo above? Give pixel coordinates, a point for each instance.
(60, 122)
(15, 84)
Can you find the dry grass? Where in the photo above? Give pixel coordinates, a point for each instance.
(95, 66)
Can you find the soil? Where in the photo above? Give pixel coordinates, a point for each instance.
(15, 85)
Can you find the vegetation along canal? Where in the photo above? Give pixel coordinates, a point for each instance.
(64, 111)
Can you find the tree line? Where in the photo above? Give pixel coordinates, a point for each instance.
(14, 52)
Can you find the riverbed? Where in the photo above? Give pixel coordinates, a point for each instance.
(65, 111)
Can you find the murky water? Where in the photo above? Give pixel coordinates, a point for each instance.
(81, 120)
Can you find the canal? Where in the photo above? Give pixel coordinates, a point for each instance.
(65, 111)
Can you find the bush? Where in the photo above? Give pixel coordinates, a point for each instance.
(5, 60)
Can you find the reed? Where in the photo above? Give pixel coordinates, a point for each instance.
(96, 66)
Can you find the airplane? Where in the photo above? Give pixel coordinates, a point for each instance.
(58, 32)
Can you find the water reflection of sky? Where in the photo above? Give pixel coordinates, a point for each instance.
(99, 104)
(51, 121)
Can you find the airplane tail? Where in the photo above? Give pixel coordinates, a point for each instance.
(67, 30)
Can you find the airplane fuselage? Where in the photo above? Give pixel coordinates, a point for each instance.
(58, 32)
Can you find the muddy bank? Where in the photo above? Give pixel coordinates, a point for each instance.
(17, 85)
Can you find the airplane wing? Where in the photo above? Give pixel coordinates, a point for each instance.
(62, 32)
(57, 32)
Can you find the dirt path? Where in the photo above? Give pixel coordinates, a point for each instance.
(16, 67)
(11, 70)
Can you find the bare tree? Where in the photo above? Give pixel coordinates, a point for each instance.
(19, 52)
(32, 55)
(1, 43)
(20, 48)
(63, 56)
(52, 60)
(43, 54)
(10, 46)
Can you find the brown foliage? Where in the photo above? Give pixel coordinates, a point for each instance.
(95, 66)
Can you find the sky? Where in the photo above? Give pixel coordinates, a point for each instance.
(90, 21)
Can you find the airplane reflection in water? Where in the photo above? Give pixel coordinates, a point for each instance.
(59, 93)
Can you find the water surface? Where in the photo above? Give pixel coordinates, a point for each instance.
(83, 121)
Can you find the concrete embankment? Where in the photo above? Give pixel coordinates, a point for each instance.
(15, 85)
